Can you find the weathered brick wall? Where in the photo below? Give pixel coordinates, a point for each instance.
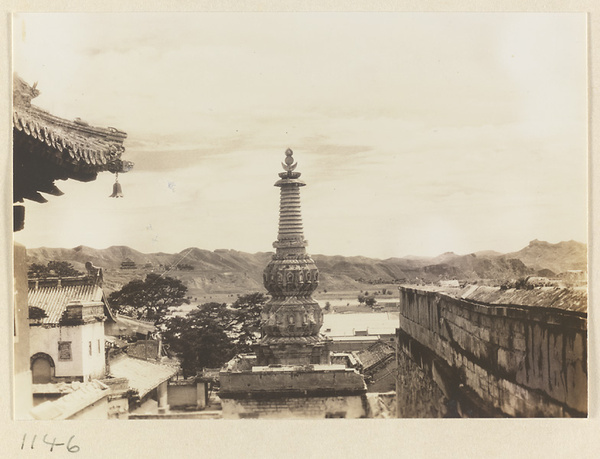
(350, 407)
(381, 405)
(144, 349)
(418, 396)
(181, 395)
(302, 380)
(383, 377)
(520, 361)
(280, 392)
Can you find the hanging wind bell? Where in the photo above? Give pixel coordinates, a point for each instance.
(117, 192)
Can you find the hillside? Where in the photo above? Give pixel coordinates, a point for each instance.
(231, 272)
(558, 257)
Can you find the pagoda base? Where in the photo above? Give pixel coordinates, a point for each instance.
(249, 390)
(293, 350)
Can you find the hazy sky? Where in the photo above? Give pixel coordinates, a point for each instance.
(415, 133)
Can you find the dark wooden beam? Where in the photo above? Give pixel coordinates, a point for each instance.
(18, 218)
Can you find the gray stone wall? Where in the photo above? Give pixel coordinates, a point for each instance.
(509, 359)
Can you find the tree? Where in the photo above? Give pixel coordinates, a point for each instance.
(36, 313)
(246, 320)
(37, 270)
(370, 301)
(150, 298)
(198, 339)
(523, 284)
(53, 269)
(327, 306)
(361, 299)
(213, 333)
(63, 269)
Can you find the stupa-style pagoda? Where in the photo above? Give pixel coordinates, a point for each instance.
(291, 320)
(291, 374)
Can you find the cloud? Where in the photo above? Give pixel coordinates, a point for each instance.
(415, 133)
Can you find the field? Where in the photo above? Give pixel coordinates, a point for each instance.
(347, 301)
(341, 302)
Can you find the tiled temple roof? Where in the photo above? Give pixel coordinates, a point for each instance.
(84, 145)
(48, 148)
(95, 147)
(54, 298)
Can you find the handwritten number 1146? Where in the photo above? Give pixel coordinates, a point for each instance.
(72, 448)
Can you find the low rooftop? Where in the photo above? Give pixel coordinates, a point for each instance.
(143, 375)
(77, 398)
(375, 354)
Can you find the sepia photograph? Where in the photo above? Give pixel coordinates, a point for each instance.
(280, 215)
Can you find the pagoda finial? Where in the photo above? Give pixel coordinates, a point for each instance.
(289, 165)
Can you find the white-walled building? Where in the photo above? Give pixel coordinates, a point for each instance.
(68, 343)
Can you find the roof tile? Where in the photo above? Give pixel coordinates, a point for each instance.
(142, 375)
(84, 144)
(54, 300)
(374, 354)
(66, 406)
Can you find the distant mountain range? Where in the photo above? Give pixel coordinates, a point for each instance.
(230, 271)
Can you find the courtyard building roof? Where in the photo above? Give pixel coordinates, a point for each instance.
(143, 375)
(81, 396)
(375, 354)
